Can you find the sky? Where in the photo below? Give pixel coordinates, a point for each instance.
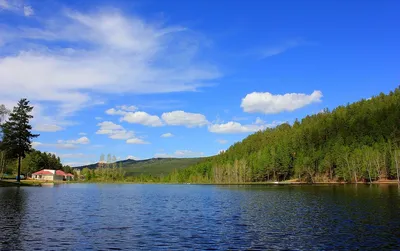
(143, 79)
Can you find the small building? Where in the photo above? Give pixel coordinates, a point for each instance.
(52, 175)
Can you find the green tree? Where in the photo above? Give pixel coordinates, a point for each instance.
(17, 133)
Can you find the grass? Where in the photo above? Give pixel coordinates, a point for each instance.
(13, 183)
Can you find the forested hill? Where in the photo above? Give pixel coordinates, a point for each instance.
(353, 143)
(154, 167)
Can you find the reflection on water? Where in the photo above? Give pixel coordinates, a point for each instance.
(172, 217)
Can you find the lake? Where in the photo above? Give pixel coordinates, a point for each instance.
(200, 217)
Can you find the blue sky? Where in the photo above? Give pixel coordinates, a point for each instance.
(143, 79)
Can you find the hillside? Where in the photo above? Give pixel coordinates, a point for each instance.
(154, 166)
(352, 143)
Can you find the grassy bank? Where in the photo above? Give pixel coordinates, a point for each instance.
(14, 183)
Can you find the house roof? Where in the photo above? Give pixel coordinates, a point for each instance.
(70, 174)
(61, 173)
(42, 172)
(58, 172)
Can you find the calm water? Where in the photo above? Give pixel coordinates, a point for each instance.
(190, 217)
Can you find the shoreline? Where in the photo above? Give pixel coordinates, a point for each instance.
(35, 183)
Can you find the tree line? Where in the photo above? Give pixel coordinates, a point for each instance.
(107, 170)
(358, 142)
(16, 150)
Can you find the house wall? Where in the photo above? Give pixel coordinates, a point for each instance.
(44, 177)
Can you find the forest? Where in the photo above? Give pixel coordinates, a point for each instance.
(359, 142)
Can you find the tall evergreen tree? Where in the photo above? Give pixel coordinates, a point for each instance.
(17, 133)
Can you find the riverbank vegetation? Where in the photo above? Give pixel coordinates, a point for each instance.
(359, 142)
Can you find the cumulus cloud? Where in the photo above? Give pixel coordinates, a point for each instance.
(235, 127)
(47, 128)
(72, 55)
(113, 111)
(137, 141)
(180, 154)
(181, 118)
(167, 135)
(121, 110)
(267, 103)
(115, 131)
(142, 118)
(81, 140)
(127, 108)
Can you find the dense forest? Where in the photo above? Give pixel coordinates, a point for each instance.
(354, 143)
(33, 162)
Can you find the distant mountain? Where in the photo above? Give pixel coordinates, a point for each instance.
(154, 166)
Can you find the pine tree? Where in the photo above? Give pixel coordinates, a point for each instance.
(17, 133)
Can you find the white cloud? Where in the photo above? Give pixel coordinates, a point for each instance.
(16, 6)
(132, 157)
(114, 131)
(142, 118)
(267, 103)
(113, 111)
(81, 140)
(127, 108)
(82, 133)
(136, 141)
(236, 127)
(73, 55)
(167, 135)
(108, 125)
(222, 141)
(28, 11)
(45, 123)
(180, 154)
(63, 144)
(182, 118)
(47, 128)
(59, 145)
(35, 144)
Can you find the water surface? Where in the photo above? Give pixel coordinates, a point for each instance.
(194, 217)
